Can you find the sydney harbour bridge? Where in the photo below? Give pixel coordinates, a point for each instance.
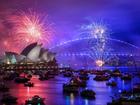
(82, 52)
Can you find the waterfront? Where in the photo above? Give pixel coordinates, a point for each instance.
(52, 91)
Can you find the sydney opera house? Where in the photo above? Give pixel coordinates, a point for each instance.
(32, 57)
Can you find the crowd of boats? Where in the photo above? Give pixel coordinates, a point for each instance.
(105, 75)
(77, 84)
(25, 79)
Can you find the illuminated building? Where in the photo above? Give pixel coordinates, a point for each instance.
(32, 57)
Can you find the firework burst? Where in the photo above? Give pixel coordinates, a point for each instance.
(99, 50)
(31, 27)
(98, 30)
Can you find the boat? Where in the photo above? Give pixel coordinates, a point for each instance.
(51, 76)
(21, 80)
(83, 73)
(126, 98)
(107, 71)
(126, 93)
(29, 76)
(43, 77)
(11, 76)
(98, 72)
(111, 83)
(70, 88)
(29, 84)
(8, 99)
(3, 87)
(89, 94)
(136, 88)
(116, 73)
(114, 102)
(35, 100)
(84, 78)
(78, 82)
(126, 76)
(125, 101)
(83, 83)
(101, 78)
(68, 74)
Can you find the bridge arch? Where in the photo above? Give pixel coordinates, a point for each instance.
(71, 50)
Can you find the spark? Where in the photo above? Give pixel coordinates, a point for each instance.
(97, 29)
(31, 27)
(99, 63)
(99, 33)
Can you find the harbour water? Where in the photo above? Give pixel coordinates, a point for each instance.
(52, 91)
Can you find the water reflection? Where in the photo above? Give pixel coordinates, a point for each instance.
(71, 99)
(51, 90)
(86, 102)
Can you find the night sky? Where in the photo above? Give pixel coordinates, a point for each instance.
(67, 16)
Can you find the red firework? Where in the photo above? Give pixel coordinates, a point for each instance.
(31, 27)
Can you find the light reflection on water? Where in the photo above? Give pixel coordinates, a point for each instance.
(51, 90)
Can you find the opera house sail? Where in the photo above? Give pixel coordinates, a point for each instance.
(32, 57)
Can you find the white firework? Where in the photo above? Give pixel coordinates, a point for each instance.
(98, 46)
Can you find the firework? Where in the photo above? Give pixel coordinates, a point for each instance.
(98, 31)
(99, 63)
(31, 27)
(98, 44)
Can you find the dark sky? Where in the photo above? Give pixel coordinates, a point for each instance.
(122, 16)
